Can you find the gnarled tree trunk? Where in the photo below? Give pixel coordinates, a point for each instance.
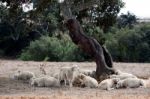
(92, 47)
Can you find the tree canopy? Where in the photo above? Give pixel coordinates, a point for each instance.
(20, 30)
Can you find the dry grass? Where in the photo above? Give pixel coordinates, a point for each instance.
(10, 89)
(78, 97)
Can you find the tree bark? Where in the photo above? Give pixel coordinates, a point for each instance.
(91, 47)
(108, 57)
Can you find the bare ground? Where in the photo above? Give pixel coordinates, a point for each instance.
(12, 89)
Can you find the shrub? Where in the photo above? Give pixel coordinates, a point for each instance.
(52, 49)
(129, 45)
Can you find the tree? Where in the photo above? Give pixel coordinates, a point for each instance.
(103, 15)
(126, 20)
(88, 44)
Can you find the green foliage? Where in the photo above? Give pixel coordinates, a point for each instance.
(103, 15)
(126, 20)
(52, 49)
(96, 33)
(131, 45)
(18, 29)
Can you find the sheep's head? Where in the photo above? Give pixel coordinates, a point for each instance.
(118, 72)
(77, 81)
(75, 68)
(116, 80)
(119, 84)
(81, 76)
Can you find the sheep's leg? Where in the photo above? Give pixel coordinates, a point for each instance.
(65, 81)
(70, 83)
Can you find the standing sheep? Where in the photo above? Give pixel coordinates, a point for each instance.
(68, 74)
(88, 81)
(130, 83)
(108, 84)
(45, 81)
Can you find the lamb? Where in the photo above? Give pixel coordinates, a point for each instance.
(130, 83)
(45, 81)
(108, 84)
(88, 81)
(24, 75)
(68, 74)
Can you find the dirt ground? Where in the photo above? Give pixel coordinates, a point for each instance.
(13, 89)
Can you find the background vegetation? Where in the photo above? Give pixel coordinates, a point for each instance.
(44, 36)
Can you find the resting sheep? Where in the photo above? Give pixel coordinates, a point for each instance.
(130, 83)
(118, 72)
(122, 76)
(88, 81)
(24, 75)
(108, 84)
(68, 74)
(88, 72)
(45, 81)
(55, 75)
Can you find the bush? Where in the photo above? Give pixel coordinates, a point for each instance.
(130, 45)
(52, 49)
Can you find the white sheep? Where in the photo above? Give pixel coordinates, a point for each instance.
(122, 76)
(130, 83)
(55, 75)
(108, 84)
(68, 74)
(24, 75)
(88, 81)
(87, 72)
(45, 81)
(118, 72)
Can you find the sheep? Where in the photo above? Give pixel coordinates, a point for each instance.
(87, 72)
(108, 84)
(88, 81)
(45, 81)
(68, 74)
(118, 72)
(122, 76)
(55, 75)
(24, 75)
(130, 83)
